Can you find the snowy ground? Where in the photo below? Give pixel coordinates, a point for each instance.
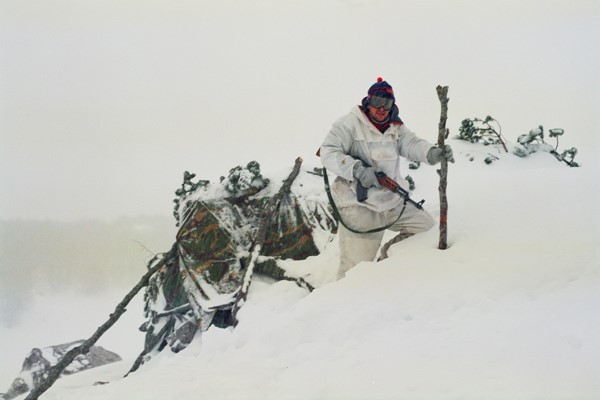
(509, 311)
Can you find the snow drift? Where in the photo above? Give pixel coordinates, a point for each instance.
(508, 311)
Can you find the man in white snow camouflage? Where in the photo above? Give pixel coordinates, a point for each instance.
(371, 138)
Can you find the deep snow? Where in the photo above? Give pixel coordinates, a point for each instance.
(510, 310)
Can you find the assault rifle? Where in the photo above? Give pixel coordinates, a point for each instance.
(389, 184)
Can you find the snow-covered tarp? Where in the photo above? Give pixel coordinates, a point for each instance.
(203, 273)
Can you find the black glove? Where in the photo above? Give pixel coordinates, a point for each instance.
(366, 176)
(437, 154)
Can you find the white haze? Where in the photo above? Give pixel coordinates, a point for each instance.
(48, 257)
(104, 104)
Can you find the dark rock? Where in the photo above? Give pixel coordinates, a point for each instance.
(39, 361)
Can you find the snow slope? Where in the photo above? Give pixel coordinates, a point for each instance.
(509, 311)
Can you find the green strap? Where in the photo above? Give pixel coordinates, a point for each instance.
(338, 217)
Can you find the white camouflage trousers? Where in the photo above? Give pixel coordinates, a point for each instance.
(358, 247)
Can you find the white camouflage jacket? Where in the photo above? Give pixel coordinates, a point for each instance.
(354, 137)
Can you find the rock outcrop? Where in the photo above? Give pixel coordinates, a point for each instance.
(40, 360)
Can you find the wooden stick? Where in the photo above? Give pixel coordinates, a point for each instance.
(442, 93)
(261, 237)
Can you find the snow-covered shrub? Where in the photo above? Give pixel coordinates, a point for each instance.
(534, 141)
(555, 133)
(567, 156)
(490, 159)
(414, 165)
(242, 181)
(487, 131)
(188, 186)
(411, 182)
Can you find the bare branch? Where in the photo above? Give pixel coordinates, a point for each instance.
(261, 237)
(56, 370)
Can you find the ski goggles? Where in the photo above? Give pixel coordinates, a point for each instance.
(376, 101)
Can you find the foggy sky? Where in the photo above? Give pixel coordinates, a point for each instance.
(104, 104)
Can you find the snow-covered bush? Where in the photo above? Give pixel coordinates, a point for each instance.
(487, 131)
(534, 141)
(414, 165)
(568, 156)
(242, 181)
(490, 159)
(188, 186)
(411, 183)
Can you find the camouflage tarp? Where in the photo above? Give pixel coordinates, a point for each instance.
(202, 274)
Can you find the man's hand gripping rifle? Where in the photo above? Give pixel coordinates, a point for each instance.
(388, 183)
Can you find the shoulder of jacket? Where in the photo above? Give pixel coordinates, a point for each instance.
(350, 118)
(403, 129)
(355, 114)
